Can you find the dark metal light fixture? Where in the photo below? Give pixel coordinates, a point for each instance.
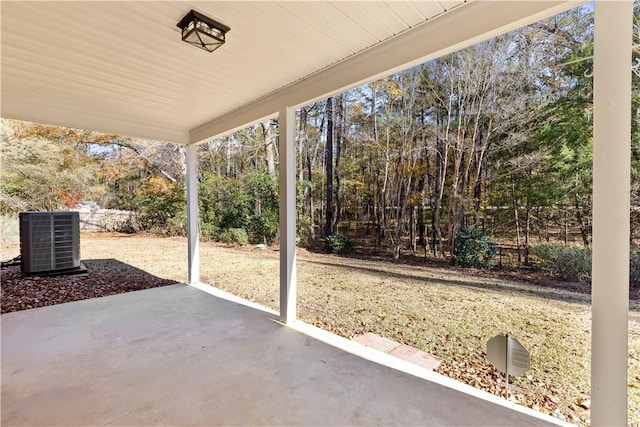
(202, 31)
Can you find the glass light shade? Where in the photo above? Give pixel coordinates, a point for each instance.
(202, 31)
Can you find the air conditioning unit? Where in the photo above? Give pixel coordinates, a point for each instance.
(49, 242)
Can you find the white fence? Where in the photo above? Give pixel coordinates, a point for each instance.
(107, 220)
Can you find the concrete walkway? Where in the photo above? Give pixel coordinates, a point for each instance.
(179, 356)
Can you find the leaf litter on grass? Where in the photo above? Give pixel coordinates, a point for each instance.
(451, 317)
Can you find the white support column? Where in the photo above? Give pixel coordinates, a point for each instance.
(193, 231)
(611, 187)
(287, 151)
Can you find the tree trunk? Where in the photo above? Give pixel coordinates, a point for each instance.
(412, 229)
(336, 169)
(441, 166)
(527, 232)
(515, 214)
(269, 146)
(566, 227)
(584, 226)
(328, 229)
(228, 170)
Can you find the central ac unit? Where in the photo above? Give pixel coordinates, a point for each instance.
(49, 242)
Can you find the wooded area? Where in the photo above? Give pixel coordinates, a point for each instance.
(497, 136)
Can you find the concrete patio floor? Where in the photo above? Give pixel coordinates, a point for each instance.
(179, 356)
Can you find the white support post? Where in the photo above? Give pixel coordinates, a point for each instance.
(611, 204)
(193, 237)
(287, 151)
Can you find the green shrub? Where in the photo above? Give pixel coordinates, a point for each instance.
(209, 231)
(338, 244)
(304, 230)
(250, 204)
(163, 213)
(565, 262)
(263, 228)
(177, 225)
(472, 248)
(235, 235)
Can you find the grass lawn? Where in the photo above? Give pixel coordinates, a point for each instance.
(451, 314)
(445, 313)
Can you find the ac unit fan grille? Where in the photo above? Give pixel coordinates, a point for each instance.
(41, 243)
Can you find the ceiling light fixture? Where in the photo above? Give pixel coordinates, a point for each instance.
(202, 31)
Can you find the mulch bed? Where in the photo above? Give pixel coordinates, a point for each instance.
(104, 277)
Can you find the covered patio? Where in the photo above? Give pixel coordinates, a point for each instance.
(178, 355)
(120, 67)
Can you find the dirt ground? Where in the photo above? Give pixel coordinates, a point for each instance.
(451, 313)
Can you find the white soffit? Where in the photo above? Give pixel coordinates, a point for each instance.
(121, 67)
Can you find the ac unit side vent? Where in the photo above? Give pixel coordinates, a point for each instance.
(49, 241)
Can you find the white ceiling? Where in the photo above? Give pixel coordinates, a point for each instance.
(121, 67)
